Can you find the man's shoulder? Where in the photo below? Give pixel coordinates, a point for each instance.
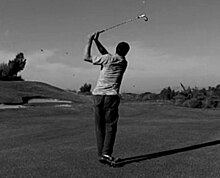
(107, 56)
(119, 59)
(114, 56)
(114, 59)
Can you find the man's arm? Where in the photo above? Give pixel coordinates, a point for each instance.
(100, 47)
(87, 54)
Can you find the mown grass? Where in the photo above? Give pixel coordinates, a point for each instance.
(60, 142)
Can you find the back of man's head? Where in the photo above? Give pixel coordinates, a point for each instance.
(122, 48)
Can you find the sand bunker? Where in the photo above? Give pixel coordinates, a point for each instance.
(38, 102)
(4, 106)
(64, 105)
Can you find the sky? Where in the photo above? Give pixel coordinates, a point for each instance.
(179, 43)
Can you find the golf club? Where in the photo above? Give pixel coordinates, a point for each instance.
(142, 16)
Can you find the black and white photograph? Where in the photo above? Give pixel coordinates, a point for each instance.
(109, 89)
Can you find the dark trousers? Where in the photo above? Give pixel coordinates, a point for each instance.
(106, 118)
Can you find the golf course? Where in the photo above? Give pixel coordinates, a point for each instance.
(109, 89)
(153, 139)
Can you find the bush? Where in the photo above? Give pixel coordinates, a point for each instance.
(211, 102)
(4, 70)
(86, 88)
(167, 94)
(179, 99)
(194, 103)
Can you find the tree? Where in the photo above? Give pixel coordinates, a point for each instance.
(16, 65)
(10, 71)
(86, 88)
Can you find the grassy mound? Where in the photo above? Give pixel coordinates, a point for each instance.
(15, 92)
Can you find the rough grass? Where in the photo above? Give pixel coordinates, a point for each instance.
(60, 142)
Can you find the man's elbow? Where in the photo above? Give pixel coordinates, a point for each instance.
(87, 59)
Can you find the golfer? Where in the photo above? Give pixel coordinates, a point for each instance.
(106, 94)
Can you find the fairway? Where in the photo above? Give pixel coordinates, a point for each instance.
(109, 89)
(153, 141)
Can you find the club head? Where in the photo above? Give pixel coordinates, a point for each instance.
(143, 16)
(145, 19)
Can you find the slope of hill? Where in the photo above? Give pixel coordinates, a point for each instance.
(14, 92)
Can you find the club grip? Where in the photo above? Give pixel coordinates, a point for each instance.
(101, 31)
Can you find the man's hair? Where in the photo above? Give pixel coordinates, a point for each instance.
(122, 48)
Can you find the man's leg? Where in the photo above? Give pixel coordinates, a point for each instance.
(111, 117)
(99, 122)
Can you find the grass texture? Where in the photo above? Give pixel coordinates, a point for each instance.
(153, 140)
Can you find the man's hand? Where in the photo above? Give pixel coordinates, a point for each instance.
(91, 36)
(96, 37)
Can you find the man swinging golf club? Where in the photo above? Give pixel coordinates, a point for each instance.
(106, 94)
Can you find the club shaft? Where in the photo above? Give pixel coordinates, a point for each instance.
(109, 28)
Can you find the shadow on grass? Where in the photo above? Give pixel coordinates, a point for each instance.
(129, 160)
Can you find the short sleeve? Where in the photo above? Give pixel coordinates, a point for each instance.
(100, 60)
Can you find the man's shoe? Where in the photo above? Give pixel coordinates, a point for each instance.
(106, 159)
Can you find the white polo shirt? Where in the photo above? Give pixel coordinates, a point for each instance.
(110, 77)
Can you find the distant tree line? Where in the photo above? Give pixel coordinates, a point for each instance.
(198, 98)
(9, 71)
(190, 97)
(187, 97)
